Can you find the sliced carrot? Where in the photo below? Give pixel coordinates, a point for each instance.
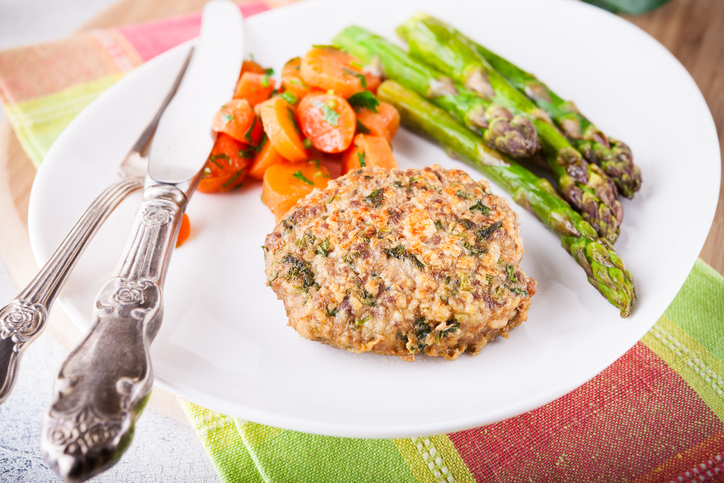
(227, 165)
(265, 158)
(281, 128)
(292, 79)
(373, 81)
(184, 231)
(383, 123)
(285, 183)
(328, 121)
(237, 119)
(368, 150)
(251, 66)
(332, 69)
(254, 87)
(255, 134)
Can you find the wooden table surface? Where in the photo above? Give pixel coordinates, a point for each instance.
(693, 30)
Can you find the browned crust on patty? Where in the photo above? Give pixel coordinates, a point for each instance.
(401, 262)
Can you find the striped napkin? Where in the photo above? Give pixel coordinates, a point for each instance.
(657, 414)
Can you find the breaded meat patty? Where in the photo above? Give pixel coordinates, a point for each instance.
(401, 262)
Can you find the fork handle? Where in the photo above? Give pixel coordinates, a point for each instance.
(104, 383)
(24, 318)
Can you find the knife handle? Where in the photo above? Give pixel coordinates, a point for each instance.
(23, 319)
(106, 380)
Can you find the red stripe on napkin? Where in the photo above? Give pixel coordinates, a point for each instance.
(632, 417)
(154, 38)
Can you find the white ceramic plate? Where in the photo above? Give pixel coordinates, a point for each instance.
(224, 342)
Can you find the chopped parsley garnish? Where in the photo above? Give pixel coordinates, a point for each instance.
(289, 97)
(360, 76)
(214, 158)
(486, 232)
(422, 328)
(227, 118)
(364, 99)
(301, 177)
(472, 249)
(360, 322)
(350, 258)
(307, 143)
(323, 248)
(248, 134)
(518, 291)
(438, 225)
(264, 80)
(367, 298)
(417, 348)
(463, 195)
(248, 153)
(361, 156)
(468, 224)
(401, 253)
(300, 270)
(269, 71)
(510, 269)
(480, 207)
(233, 179)
(452, 326)
(376, 197)
(290, 113)
(330, 115)
(331, 312)
(361, 128)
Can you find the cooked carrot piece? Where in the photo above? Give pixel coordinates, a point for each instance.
(328, 121)
(227, 165)
(368, 150)
(332, 69)
(184, 231)
(373, 81)
(281, 128)
(253, 87)
(383, 123)
(251, 66)
(255, 134)
(292, 80)
(237, 119)
(265, 158)
(285, 183)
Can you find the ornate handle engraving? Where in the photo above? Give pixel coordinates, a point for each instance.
(23, 319)
(105, 382)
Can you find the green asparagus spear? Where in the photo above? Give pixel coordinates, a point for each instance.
(514, 135)
(613, 156)
(603, 267)
(584, 185)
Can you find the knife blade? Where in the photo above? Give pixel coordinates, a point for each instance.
(104, 384)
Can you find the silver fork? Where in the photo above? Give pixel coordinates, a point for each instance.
(24, 318)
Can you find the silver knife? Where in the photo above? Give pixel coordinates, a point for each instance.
(105, 382)
(23, 319)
